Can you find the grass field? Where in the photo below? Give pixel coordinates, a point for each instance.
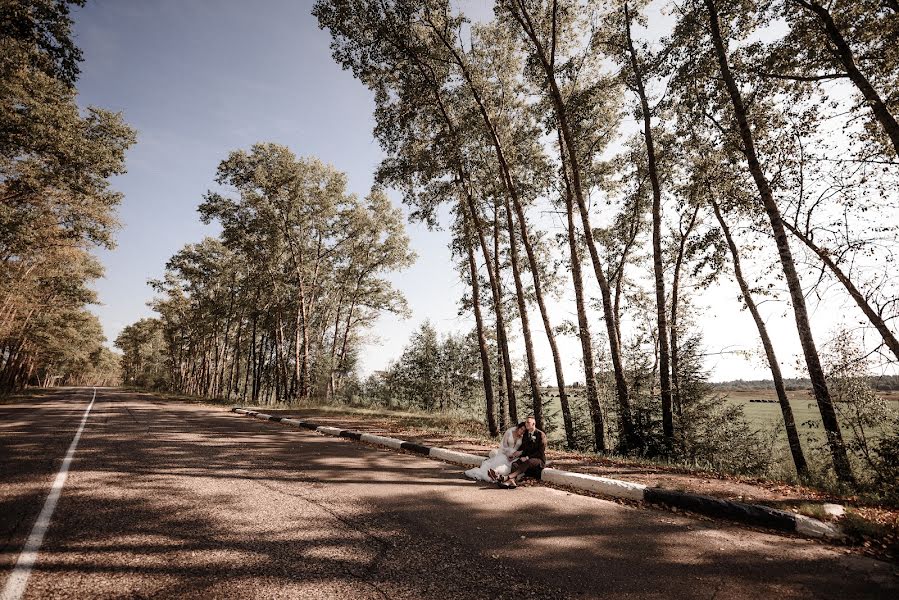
(802, 402)
(763, 415)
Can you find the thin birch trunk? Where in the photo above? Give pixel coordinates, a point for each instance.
(536, 400)
(486, 375)
(816, 373)
(785, 408)
(658, 268)
(596, 411)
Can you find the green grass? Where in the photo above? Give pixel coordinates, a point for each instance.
(762, 415)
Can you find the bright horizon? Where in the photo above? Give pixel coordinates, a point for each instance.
(198, 82)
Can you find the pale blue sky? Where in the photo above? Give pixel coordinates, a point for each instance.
(200, 78)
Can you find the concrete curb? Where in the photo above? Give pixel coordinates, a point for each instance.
(752, 514)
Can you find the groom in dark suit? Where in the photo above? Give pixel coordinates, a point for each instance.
(531, 454)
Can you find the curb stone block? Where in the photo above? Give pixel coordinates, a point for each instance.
(458, 457)
(382, 441)
(815, 528)
(593, 483)
(417, 448)
(353, 435)
(735, 511)
(329, 430)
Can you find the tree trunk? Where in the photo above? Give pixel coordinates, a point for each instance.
(332, 368)
(675, 303)
(536, 401)
(822, 395)
(619, 270)
(251, 363)
(658, 268)
(344, 348)
(496, 290)
(234, 369)
(547, 326)
(785, 408)
(501, 384)
(297, 381)
(596, 412)
(486, 376)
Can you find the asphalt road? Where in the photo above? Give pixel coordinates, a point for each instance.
(174, 500)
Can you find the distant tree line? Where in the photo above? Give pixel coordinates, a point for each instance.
(881, 383)
(56, 205)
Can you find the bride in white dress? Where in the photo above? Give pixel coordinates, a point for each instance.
(500, 459)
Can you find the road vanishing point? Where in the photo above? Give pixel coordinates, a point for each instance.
(163, 499)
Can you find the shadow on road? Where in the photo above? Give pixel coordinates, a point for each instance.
(176, 500)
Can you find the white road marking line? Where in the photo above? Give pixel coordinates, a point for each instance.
(15, 586)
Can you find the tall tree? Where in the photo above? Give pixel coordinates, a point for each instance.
(384, 47)
(55, 201)
(542, 28)
(635, 70)
(780, 389)
(713, 37)
(489, 70)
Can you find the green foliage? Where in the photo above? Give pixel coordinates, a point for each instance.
(433, 373)
(448, 93)
(55, 201)
(712, 432)
(144, 360)
(869, 423)
(276, 308)
(582, 424)
(37, 34)
(886, 467)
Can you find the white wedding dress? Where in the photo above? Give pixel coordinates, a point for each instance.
(500, 459)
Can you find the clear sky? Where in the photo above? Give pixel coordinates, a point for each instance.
(201, 78)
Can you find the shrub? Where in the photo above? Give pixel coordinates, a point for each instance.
(886, 467)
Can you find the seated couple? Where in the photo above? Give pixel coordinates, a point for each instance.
(523, 447)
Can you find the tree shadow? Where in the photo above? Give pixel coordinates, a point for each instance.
(189, 502)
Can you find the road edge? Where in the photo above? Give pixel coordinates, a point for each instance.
(751, 514)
